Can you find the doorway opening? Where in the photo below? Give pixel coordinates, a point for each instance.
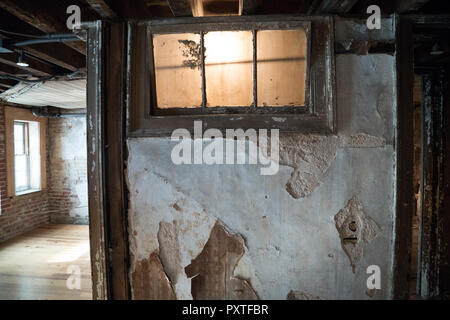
(44, 218)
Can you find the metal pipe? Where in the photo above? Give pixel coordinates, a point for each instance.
(42, 112)
(23, 80)
(49, 39)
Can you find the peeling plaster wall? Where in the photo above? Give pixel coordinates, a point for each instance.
(292, 246)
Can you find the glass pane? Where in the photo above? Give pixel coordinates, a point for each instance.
(281, 67)
(21, 172)
(19, 138)
(177, 70)
(35, 155)
(229, 68)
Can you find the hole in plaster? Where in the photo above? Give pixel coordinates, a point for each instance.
(355, 230)
(211, 272)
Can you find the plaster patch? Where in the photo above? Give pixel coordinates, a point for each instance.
(169, 224)
(361, 140)
(310, 156)
(355, 230)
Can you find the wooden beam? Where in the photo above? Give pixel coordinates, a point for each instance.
(221, 7)
(13, 71)
(142, 9)
(102, 8)
(180, 8)
(403, 6)
(56, 53)
(5, 83)
(34, 13)
(96, 172)
(331, 6)
(115, 155)
(404, 206)
(249, 7)
(434, 265)
(35, 67)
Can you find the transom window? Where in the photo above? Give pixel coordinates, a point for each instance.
(253, 68)
(231, 72)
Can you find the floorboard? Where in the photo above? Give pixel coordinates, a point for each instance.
(37, 264)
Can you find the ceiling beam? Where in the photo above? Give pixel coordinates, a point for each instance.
(403, 6)
(331, 6)
(6, 70)
(55, 53)
(180, 8)
(5, 83)
(35, 67)
(33, 13)
(142, 9)
(248, 7)
(102, 8)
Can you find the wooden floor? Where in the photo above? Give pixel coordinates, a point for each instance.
(36, 264)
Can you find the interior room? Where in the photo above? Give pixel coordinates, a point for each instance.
(224, 150)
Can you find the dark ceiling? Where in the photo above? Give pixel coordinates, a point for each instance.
(23, 20)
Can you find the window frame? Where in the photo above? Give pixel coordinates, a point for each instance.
(13, 114)
(26, 143)
(202, 29)
(318, 114)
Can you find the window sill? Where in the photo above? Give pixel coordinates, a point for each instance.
(21, 193)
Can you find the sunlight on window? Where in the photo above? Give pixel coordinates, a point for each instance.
(27, 158)
(178, 70)
(229, 68)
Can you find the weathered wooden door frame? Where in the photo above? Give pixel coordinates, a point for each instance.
(106, 119)
(434, 260)
(434, 232)
(404, 147)
(106, 60)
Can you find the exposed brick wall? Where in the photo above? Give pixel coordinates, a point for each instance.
(67, 170)
(23, 213)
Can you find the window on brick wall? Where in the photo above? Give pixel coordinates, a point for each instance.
(25, 151)
(27, 157)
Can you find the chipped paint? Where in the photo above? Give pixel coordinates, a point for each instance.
(301, 295)
(212, 271)
(355, 230)
(150, 281)
(289, 243)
